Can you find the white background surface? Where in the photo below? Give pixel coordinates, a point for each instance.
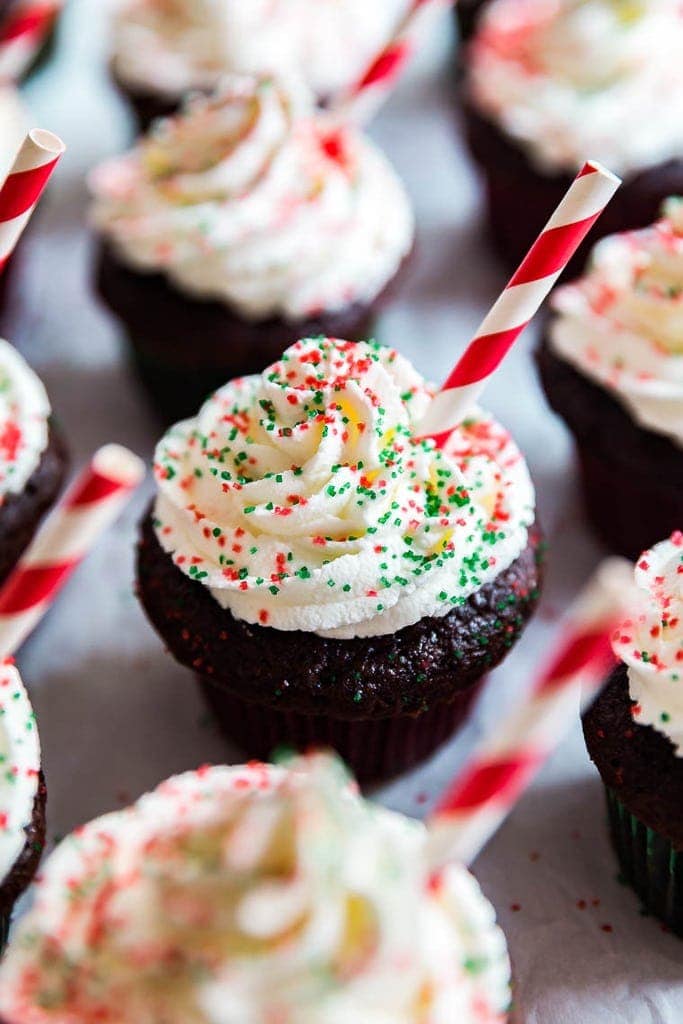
(117, 715)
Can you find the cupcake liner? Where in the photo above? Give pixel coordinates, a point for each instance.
(375, 749)
(649, 864)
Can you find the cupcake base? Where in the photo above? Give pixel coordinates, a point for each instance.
(631, 478)
(185, 348)
(405, 691)
(520, 198)
(147, 107)
(468, 13)
(644, 783)
(25, 867)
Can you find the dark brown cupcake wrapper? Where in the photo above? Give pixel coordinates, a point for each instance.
(649, 864)
(5, 921)
(375, 749)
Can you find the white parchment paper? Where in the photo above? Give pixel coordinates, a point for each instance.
(117, 715)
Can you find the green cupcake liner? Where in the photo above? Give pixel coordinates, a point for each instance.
(649, 864)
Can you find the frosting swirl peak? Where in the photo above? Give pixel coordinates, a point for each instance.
(303, 499)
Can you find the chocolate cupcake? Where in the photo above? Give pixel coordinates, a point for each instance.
(612, 368)
(468, 12)
(550, 85)
(162, 51)
(330, 578)
(22, 794)
(634, 735)
(240, 226)
(255, 893)
(32, 457)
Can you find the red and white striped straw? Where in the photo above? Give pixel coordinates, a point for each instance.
(361, 100)
(521, 299)
(23, 31)
(24, 184)
(71, 531)
(489, 785)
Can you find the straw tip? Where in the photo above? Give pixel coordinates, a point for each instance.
(47, 141)
(120, 464)
(595, 167)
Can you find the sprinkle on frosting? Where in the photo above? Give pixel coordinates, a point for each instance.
(252, 198)
(19, 766)
(622, 324)
(567, 78)
(651, 642)
(168, 47)
(303, 500)
(254, 894)
(24, 412)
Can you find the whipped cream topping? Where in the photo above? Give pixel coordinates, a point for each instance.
(253, 199)
(650, 643)
(250, 895)
(19, 767)
(571, 79)
(622, 323)
(24, 413)
(304, 501)
(167, 47)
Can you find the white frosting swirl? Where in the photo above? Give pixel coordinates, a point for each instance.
(622, 324)
(24, 413)
(167, 47)
(19, 766)
(302, 499)
(650, 643)
(569, 79)
(252, 199)
(250, 895)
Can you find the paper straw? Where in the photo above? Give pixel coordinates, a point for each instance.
(361, 100)
(90, 506)
(521, 299)
(489, 785)
(24, 184)
(23, 31)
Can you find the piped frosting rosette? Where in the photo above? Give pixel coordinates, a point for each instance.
(304, 501)
(622, 323)
(570, 77)
(24, 414)
(255, 894)
(252, 198)
(168, 47)
(20, 763)
(650, 643)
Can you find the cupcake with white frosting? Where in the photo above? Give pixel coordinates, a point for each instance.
(22, 794)
(259, 894)
(331, 577)
(32, 456)
(239, 226)
(550, 85)
(163, 49)
(612, 367)
(634, 734)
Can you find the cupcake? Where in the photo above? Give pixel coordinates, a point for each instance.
(236, 228)
(634, 735)
(332, 579)
(163, 49)
(550, 85)
(258, 894)
(22, 794)
(32, 456)
(612, 368)
(468, 12)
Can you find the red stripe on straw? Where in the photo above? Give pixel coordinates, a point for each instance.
(386, 67)
(32, 21)
(22, 189)
(552, 251)
(94, 489)
(481, 357)
(580, 653)
(32, 585)
(485, 781)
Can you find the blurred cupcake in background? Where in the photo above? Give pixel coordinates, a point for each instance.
(552, 84)
(468, 13)
(330, 577)
(255, 893)
(22, 794)
(163, 49)
(634, 735)
(612, 368)
(235, 228)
